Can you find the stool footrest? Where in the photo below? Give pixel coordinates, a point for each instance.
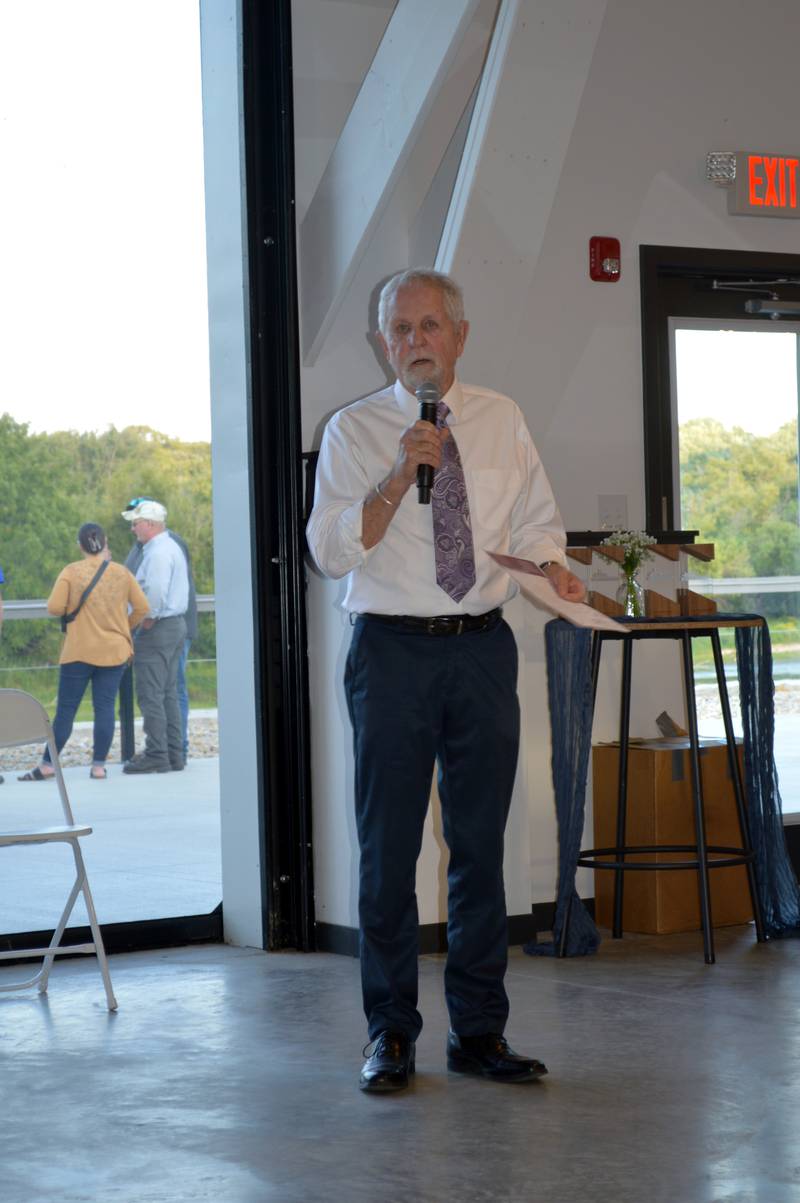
(724, 857)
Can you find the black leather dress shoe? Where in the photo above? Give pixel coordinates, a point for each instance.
(389, 1064)
(490, 1057)
(143, 764)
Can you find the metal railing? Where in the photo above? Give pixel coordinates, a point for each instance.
(37, 607)
(725, 586)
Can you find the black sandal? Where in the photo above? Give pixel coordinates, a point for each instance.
(36, 775)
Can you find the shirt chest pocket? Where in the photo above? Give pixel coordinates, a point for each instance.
(492, 492)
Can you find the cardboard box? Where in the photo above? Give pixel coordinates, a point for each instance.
(661, 811)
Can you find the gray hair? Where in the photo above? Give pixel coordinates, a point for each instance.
(452, 296)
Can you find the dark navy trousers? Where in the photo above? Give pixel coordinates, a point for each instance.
(416, 700)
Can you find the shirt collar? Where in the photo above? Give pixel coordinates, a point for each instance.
(453, 399)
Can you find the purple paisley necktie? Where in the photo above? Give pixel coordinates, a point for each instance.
(452, 531)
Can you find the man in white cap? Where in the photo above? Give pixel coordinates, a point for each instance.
(132, 562)
(159, 639)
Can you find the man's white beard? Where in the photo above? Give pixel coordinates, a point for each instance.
(424, 374)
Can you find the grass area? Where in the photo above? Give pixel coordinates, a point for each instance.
(201, 680)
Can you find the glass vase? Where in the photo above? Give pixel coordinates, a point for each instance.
(630, 596)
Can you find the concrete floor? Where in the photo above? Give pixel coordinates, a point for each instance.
(229, 1075)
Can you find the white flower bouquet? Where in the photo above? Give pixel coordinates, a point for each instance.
(635, 544)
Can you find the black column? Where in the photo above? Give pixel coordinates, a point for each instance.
(276, 477)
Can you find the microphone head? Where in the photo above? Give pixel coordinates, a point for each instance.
(428, 392)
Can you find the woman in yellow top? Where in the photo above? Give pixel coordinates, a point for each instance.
(97, 645)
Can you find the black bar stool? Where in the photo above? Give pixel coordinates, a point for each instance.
(701, 856)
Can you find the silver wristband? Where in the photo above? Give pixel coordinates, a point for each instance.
(386, 499)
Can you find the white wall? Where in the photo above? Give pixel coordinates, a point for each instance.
(600, 125)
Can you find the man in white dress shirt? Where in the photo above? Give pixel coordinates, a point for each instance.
(159, 639)
(431, 672)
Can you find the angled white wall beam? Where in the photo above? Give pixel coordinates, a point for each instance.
(507, 17)
(410, 64)
(528, 102)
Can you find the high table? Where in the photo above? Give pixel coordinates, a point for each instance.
(702, 856)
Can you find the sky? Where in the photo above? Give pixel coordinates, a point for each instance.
(103, 299)
(745, 378)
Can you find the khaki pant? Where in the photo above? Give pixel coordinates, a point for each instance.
(157, 653)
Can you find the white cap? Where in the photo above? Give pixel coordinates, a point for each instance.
(145, 508)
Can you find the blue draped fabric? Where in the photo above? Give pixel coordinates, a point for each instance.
(775, 879)
(569, 688)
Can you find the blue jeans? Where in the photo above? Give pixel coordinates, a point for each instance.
(183, 697)
(72, 681)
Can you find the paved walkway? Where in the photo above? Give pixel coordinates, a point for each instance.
(154, 852)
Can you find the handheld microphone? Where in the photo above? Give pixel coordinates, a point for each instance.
(428, 395)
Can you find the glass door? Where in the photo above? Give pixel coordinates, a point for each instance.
(735, 456)
(104, 396)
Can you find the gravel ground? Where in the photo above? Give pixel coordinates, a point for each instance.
(787, 699)
(203, 741)
(203, 730)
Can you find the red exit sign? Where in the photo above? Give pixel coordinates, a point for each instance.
(766, 185)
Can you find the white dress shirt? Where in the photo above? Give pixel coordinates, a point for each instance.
(512, 508)
(163, 576)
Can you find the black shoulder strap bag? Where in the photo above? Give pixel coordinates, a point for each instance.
(66, 619)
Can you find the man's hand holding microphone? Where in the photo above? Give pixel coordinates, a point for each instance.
(418, 457)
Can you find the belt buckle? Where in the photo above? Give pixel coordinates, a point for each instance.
(445, 624)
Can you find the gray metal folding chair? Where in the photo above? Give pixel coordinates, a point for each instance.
(23, 720)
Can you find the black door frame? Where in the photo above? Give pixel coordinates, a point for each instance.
(277, 479)
(677, 281)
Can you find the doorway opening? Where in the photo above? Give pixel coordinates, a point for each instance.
(105, 397)
(721, 414)
(735, 395)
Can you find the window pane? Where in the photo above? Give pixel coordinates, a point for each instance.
(737, 405)
(104, 396)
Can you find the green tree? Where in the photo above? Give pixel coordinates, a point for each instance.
(740, 491)
(52, 483)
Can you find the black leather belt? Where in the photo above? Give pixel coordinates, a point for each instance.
(444, 624)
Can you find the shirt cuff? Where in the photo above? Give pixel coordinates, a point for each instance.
(350, 530)
(543, 552)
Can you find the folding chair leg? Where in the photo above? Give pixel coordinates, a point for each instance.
(81, 886)
(47, 964)
(100, 950)
(99, 946)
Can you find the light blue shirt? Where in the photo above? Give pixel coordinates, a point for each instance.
(163, 577)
